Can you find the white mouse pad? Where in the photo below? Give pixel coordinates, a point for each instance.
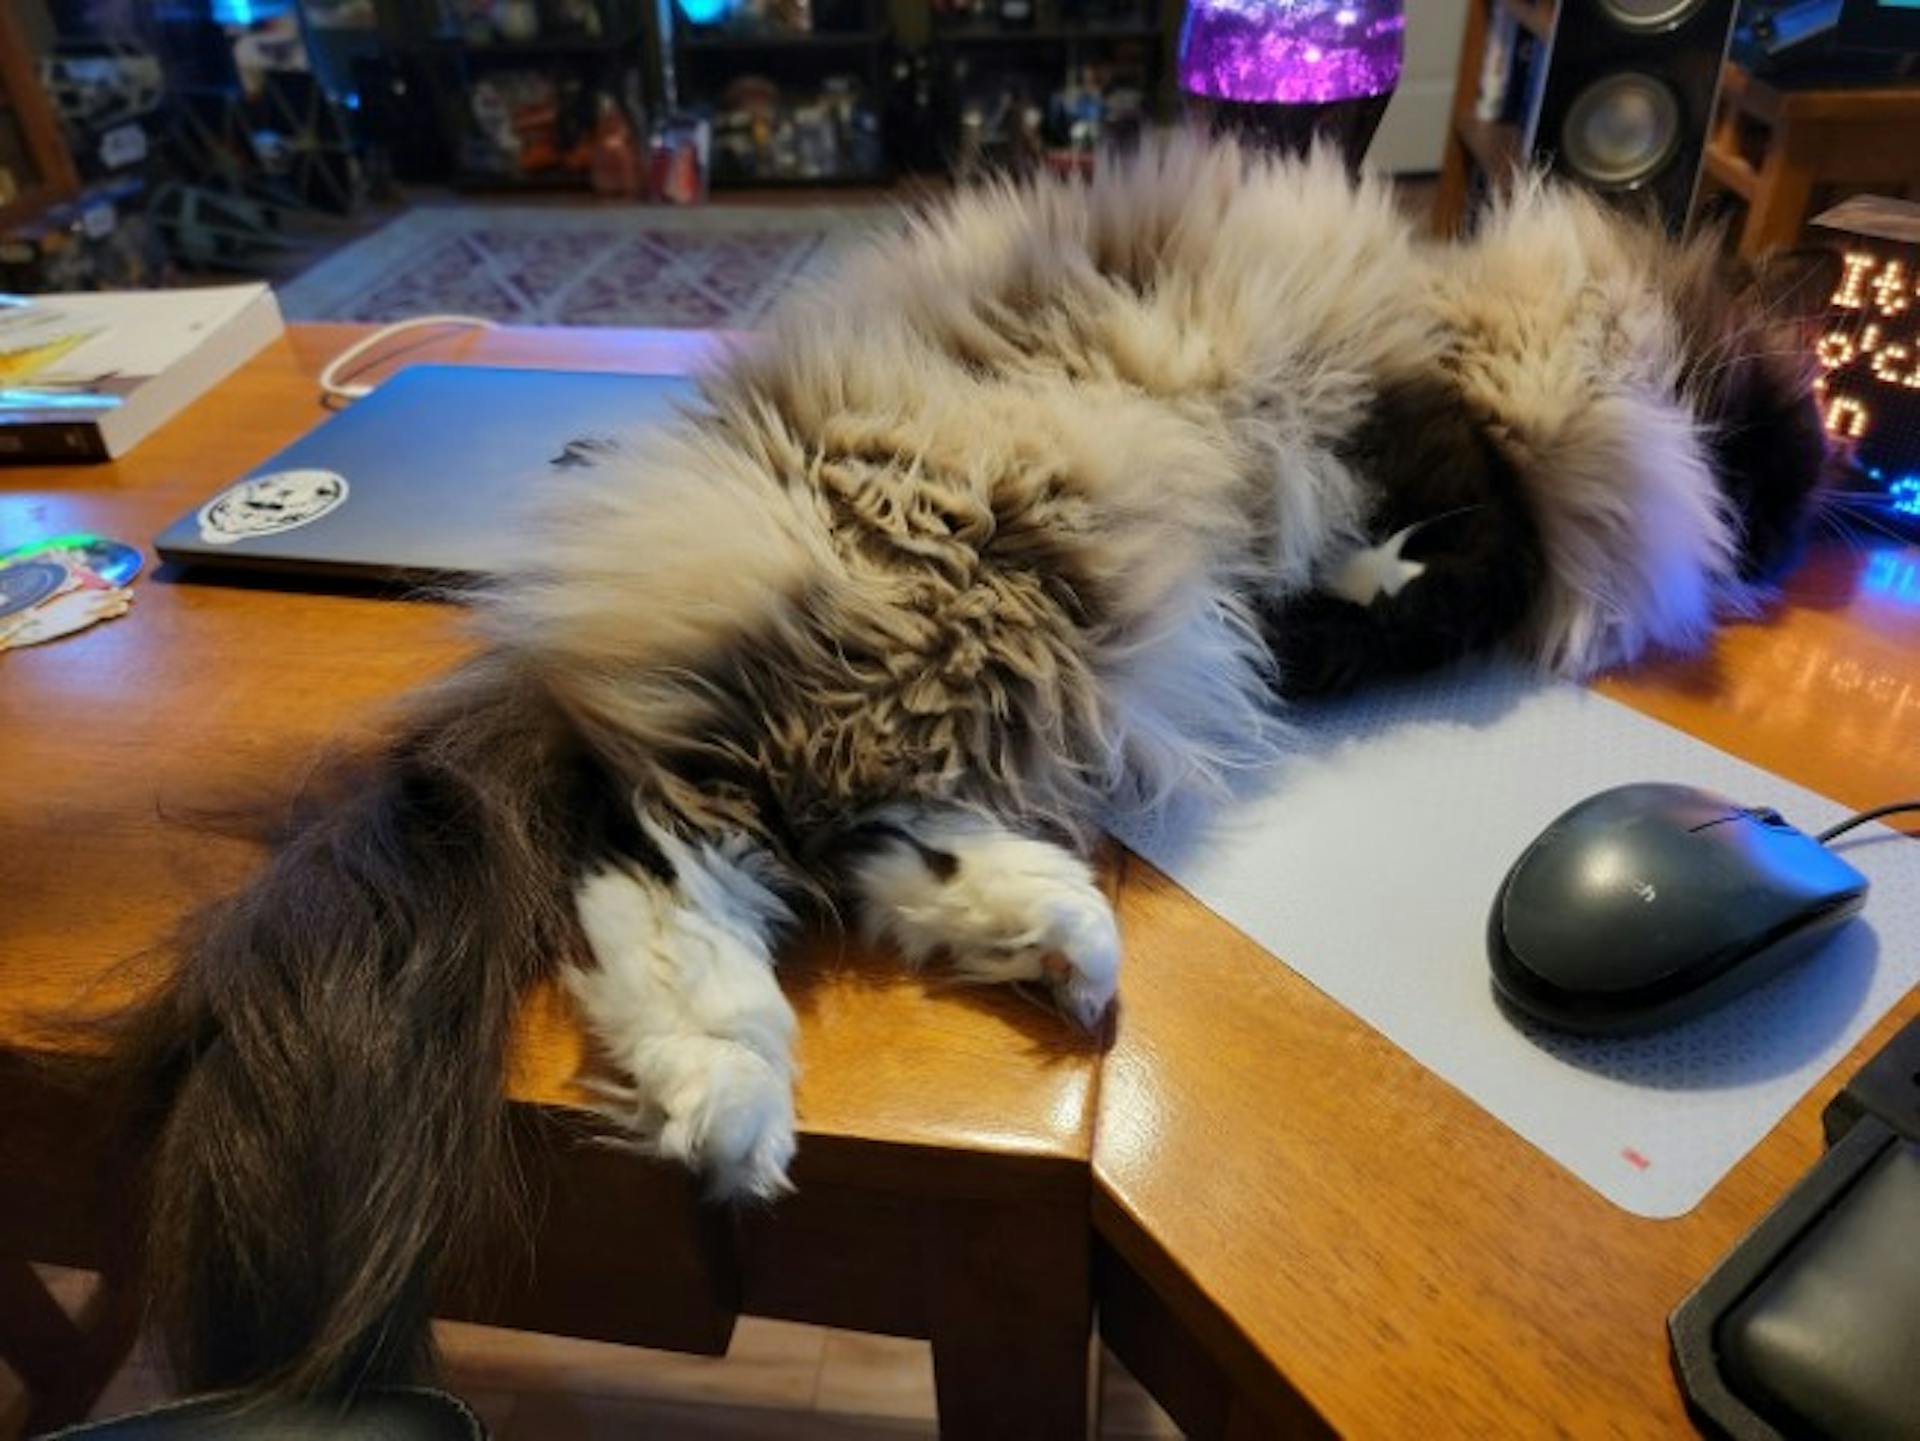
(1368, 861)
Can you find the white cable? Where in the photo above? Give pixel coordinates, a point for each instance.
(332, 386)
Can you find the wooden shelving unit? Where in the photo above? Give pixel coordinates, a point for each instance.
(580, 66)
(1481, 152)
(697, 69)
(33, 153)
(708, 61)
(1785, 154)
(1056, 44)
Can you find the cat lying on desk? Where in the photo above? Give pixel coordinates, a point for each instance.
(1030, 513)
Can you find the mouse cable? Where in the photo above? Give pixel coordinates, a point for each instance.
(1893, 808)
(333, 387)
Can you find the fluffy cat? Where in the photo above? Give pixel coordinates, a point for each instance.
(1029, 513)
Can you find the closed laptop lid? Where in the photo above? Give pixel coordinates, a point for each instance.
(428, 478)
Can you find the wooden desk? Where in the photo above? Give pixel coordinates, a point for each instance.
(943, 1167)
(1300, 1228)
(1304, 1230)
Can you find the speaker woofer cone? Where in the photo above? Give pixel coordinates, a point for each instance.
(1646, 15)
(1621, 130)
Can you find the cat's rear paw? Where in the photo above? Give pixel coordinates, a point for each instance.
(729, 1116)
(683, 999)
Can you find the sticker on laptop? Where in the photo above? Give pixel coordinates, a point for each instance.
(269, 504)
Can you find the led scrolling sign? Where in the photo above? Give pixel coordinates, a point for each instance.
(1869, 356)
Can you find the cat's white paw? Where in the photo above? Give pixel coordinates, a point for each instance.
(999, 907)
(685, 1004)
(729, 1115)
(1083, 956)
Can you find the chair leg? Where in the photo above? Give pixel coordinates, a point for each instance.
(63, 1362)
(1781, 196)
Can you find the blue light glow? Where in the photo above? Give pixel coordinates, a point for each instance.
(1894, 574)
(1904, 495)
(56, 400)
(247, 12)
(704, 12)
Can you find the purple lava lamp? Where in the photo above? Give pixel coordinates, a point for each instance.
(1284, 71)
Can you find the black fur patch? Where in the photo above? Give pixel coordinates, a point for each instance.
(1425, 456)
(1749, 327)
(1768, 453)
(864, 840)
(605, 826)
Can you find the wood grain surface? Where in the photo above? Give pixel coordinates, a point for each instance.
(1338, 1228)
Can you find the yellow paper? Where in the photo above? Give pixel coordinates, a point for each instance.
(34, 337)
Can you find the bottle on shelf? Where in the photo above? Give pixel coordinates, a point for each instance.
(616, 169)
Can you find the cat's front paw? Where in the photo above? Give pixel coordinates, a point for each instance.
(1034, 912)
(998, 906)
(1082, 957)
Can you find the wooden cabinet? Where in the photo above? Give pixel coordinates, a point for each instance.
(1480, 150)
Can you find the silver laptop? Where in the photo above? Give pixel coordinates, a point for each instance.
(425, 480)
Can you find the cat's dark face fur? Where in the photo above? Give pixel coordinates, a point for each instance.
(1482, 556)
(1749, 376)
(1745, 379)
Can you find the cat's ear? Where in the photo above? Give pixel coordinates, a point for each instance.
(1795, 286)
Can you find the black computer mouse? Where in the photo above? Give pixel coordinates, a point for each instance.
(1649, 904)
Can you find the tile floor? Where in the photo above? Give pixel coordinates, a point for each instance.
(781, 1382)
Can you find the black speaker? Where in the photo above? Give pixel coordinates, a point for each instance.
(1628, 94)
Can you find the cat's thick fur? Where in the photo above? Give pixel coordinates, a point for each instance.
(1026, 515)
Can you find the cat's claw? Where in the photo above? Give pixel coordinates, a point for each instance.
(1083, 960)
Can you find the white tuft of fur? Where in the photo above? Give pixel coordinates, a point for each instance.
(683, 1000)
(1013, 908)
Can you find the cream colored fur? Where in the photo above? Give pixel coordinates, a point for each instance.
(972, 538)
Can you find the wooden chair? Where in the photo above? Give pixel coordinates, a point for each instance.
(1782, 152)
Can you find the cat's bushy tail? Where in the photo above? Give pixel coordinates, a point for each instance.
(326, 1065)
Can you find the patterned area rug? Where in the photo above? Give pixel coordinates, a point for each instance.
(706, 267)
